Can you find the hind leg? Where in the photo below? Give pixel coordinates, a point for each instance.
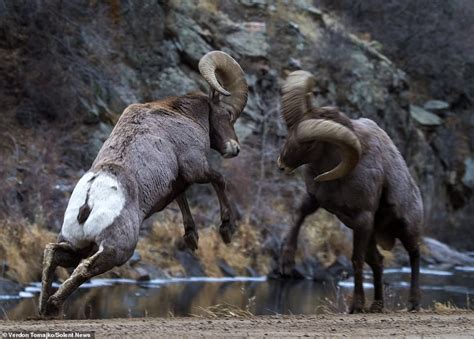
(308, 206)
(102, 261)
(55, 254)
(375, 260)
(362, 226)
(411, 242)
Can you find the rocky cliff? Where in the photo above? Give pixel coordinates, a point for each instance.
(68, 69)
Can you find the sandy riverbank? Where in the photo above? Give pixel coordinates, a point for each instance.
(363, 325)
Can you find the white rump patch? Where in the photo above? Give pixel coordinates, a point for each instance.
(106, 201)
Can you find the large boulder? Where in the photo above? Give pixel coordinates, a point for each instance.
(441, 254)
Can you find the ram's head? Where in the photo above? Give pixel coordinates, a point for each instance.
(309, 128)
(227, 98)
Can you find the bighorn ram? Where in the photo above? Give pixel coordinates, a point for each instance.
(353, 170)
(154, 153)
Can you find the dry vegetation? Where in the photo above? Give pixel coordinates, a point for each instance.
(225, 311)
(158, 247)
(449, 307)
(445, 308)
(22, 244)
(324, 237)
(35, 177)
(21, 250)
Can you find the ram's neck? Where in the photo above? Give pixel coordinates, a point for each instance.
(324, 157)
(194, 106)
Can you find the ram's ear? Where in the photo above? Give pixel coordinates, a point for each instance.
(213, 96)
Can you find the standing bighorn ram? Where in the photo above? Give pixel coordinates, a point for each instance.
(353, 170)
(155, 152)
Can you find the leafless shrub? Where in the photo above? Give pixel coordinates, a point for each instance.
(55, 53)
(224, 311)
(28, 190)
(57, 49)
(21, 248)
(429, 39)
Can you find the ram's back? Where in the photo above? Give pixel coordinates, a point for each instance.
(400, 202)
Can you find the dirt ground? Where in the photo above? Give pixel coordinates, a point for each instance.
(458, 324)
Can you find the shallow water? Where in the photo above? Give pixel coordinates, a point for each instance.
(108, 298)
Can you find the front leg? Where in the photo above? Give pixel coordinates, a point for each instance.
(375, 261)
(191, 236)
(227, 228)
(308, 206)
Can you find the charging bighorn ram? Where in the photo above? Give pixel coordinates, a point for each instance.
(353, 170)
(154, 153)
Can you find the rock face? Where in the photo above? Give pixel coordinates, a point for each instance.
(66, 77)
(468, 178)
(190, 264)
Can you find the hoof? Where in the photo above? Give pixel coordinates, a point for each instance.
(287, 263)
(42, 303)
(414, 307)
(376, 307)
(226, 231)
(357, 308)
(42, 308)
(52, 309)
(191, 239)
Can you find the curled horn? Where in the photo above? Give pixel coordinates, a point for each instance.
(226, 77)
(334, 133)
(296, 96)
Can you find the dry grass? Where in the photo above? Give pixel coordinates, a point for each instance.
(303, 19)
(449, 307)
(445, 308)
(327, 306)
(208, 5)
(165, 238)
(240, 254)
(323, 237)
(21, 246)
(224, 311)
(159, 246)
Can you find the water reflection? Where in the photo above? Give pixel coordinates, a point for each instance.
(185, 297)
